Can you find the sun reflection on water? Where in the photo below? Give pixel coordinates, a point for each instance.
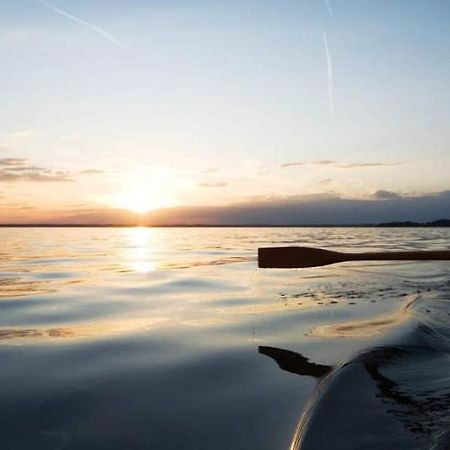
(139, 253)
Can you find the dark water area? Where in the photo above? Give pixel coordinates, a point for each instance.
(172, 338)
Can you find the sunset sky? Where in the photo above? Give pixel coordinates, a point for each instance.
(300, 111)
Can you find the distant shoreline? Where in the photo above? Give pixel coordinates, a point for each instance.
(442, 223)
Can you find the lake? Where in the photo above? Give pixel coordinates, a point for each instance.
(172, 338)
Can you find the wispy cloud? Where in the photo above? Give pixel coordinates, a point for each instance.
(12, 161)
(91, 172)
(76, 19)
(26, 168)
(213, 184)
(18, 169)
(329, 75)
(325, 162)
(338, 165)
(34, 176)
(16, 205)
(368, 164)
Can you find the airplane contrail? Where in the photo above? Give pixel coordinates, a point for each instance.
(329, 8)
(329, 75)
(98, 30)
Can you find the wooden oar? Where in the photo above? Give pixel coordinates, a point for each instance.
(299, 257)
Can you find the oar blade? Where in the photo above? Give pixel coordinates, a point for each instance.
(295, 257)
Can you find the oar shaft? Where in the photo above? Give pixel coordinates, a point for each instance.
(428, 255)
(298, 257)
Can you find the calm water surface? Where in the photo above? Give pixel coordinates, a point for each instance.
(144, 338)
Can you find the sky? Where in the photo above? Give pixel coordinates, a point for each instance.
(145, 111)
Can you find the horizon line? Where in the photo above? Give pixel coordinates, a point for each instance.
(439, 223)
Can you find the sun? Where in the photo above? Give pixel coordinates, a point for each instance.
(142, 200)
(144, 190)
(140, 203)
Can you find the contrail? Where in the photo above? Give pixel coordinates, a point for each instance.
(330, 75)
(82, 22)
(329, 8)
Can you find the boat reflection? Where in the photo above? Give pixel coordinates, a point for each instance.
(365, 397)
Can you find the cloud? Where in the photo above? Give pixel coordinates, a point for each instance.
(325, 162)
(16, 205)
(99, 216)
(12, 161)
(213, 184)
(17, 169)
(91, 172)
(34, 176)
(382, 195)
(27, 169)
(340, 165)
(368, 164)
(19, 206)
(319, 209)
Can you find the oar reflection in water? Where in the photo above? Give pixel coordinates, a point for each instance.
(294, 362)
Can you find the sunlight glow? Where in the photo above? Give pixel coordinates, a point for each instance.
(141, 202)
(139, 255)
(144, 196)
